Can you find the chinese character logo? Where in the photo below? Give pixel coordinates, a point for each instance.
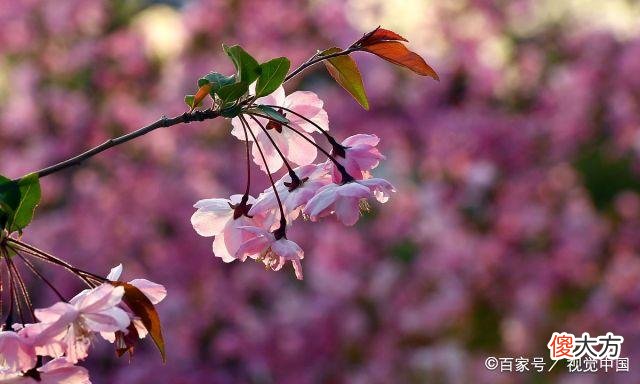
(561, 346)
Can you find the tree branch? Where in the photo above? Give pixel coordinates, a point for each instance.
(316, 59)
(161, 123)
(165, 122)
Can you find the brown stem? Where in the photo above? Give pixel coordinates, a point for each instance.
(161, 123)
(88, 277)
(35, 271)
(346, 177)
(316, 59)
(337, 147)
(280, 232)
(292, 174)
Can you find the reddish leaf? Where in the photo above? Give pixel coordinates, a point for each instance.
(126, 342)
(345, 71)
(379, 34)
(395, 52)
(200, 95)
(142, 307)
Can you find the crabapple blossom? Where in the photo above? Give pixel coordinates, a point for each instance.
(345, 200)
(293, 146)
(358, 154)
(72, 323)
(312, 178)
(223, 219)
(272, 251)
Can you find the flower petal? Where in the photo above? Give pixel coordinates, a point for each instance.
(154, 292)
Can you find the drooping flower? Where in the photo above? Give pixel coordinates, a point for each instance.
(345, 200)
(293, 146)
(358, 155)
(273, 252)
(73, 323)
(312, 178)
(223, 218)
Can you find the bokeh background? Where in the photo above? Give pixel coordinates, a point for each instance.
(518, 177)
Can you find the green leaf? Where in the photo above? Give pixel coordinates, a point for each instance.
(189, 99)
(272, 75)
(9, 200)
(247, 67)
(202, 81)
(232, 92)
(18, 200)
(217, 80)
(272, 113)
(29, 198)
(231, 112)
(345, 71)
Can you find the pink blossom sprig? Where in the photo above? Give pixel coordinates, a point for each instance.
(65, 331)
(278, 131)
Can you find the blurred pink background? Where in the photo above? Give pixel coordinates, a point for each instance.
(518, 177)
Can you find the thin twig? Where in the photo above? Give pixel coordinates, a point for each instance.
(316, 59)
(346, 176)
(293, 175)
(40, 275)
(161, 123)
(283, 221)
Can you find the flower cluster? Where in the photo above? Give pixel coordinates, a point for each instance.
(64, 331)
(244, 226)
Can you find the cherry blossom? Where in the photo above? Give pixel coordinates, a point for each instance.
(73, 323)
(312, 177)
(272, 251)
(345, 200)
(223, 219)
(359, 155)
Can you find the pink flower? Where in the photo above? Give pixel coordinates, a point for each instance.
(153, 291)
(312, 176)
(16, 352)
(271, 251)
(222, 218)
(345, 200)
(293, 146)
(57, 371)
(360, 156)
(73, 323)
